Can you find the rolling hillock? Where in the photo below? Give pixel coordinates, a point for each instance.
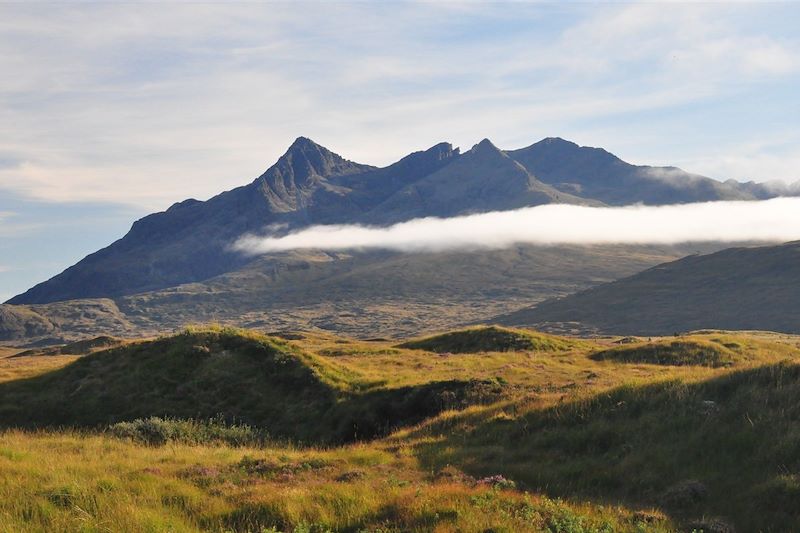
(671, 352)
(82, 347)
(712, 350)
(233, 375)
(85, 346)
(492, 339)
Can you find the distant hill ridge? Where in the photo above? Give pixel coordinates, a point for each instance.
(310, 184)
(738, 288)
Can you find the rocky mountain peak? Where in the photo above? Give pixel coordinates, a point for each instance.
(306, 159)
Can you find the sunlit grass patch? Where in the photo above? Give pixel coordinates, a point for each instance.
(492, 339)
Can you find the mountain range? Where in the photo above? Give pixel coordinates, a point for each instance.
(177, 266)
(309, 184)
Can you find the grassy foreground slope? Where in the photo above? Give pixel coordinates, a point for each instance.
(725, 447)
(76, 482)
(569, 441)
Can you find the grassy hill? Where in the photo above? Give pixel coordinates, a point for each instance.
(661, 434)
(233, 375)
(95, 483)
(492, 339)
(723, 447)
(714, 350)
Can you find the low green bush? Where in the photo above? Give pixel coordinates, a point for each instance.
(156, 431)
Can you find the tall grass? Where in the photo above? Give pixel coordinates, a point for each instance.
(81, 482)
(553, 441)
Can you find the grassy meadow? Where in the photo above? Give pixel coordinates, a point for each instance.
(487, 429)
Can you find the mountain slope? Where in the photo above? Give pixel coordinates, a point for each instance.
(18, 322)
(597, 174)
(55, 322)
(308, 185)
(389, 293)
(737, 288)
(366, 294)
(482, 179)
(189, 241)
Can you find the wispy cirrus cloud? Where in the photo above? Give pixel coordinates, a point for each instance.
(123, 103)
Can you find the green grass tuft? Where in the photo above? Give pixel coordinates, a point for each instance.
(492, 339)
(711, 349)
(155, 431)
(671, 352)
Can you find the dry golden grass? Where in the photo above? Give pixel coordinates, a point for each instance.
(12, 368)
(598, 433)
(559, 373)
(79, 482)
(6, 351)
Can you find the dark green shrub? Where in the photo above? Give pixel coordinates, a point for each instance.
(155, 431)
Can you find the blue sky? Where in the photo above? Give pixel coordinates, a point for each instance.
(110, 111)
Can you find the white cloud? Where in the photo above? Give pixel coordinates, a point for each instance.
(752, 166)
(769, 58)
(774, 157)
(771, 220)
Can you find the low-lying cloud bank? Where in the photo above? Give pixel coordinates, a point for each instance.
(770, 220)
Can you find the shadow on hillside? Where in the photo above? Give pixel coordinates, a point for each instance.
(726, 447)
(207, 376)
